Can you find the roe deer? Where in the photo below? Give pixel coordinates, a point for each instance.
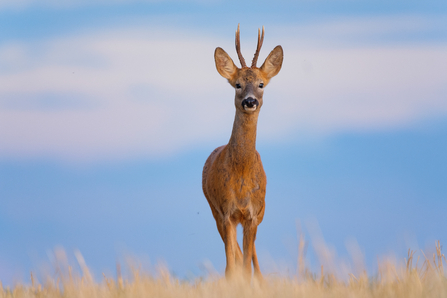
(233, 178)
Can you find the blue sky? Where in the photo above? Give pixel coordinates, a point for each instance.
(109, 110)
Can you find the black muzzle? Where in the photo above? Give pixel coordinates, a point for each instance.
(250, 102)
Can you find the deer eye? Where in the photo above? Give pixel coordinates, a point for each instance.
(238, 86)
(261, 85)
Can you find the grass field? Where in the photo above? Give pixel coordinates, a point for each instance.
(425, 277)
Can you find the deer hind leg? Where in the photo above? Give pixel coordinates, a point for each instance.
(239, 256)
(256, 268)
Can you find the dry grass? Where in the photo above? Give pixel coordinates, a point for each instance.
(409, 280)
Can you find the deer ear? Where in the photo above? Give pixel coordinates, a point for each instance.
(272, 64)
(225, 66)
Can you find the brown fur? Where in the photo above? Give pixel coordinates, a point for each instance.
(233, 178)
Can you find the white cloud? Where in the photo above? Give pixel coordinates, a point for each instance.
(369, 29)
(123, 93)
(333, 90)
(64, 4)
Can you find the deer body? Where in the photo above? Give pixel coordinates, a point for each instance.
(233, 179)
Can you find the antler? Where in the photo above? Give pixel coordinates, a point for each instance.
(258, 48)
(238, 47)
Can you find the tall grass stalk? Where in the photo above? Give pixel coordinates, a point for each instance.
(414, 278)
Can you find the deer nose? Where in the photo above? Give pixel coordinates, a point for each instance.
(250, 102)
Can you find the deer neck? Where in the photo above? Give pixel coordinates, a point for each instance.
(242, 144)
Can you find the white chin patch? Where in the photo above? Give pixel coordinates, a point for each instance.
(250, 109)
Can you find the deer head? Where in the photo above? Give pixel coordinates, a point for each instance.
(249, 82)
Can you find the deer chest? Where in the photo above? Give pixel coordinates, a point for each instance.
(248, 191)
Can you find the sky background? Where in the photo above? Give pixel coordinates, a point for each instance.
(109, 109)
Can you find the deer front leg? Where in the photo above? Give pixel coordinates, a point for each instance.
(229, 231)
(238, 251)
(250, 229)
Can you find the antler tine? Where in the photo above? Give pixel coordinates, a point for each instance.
(258, 48)
(238, 47)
